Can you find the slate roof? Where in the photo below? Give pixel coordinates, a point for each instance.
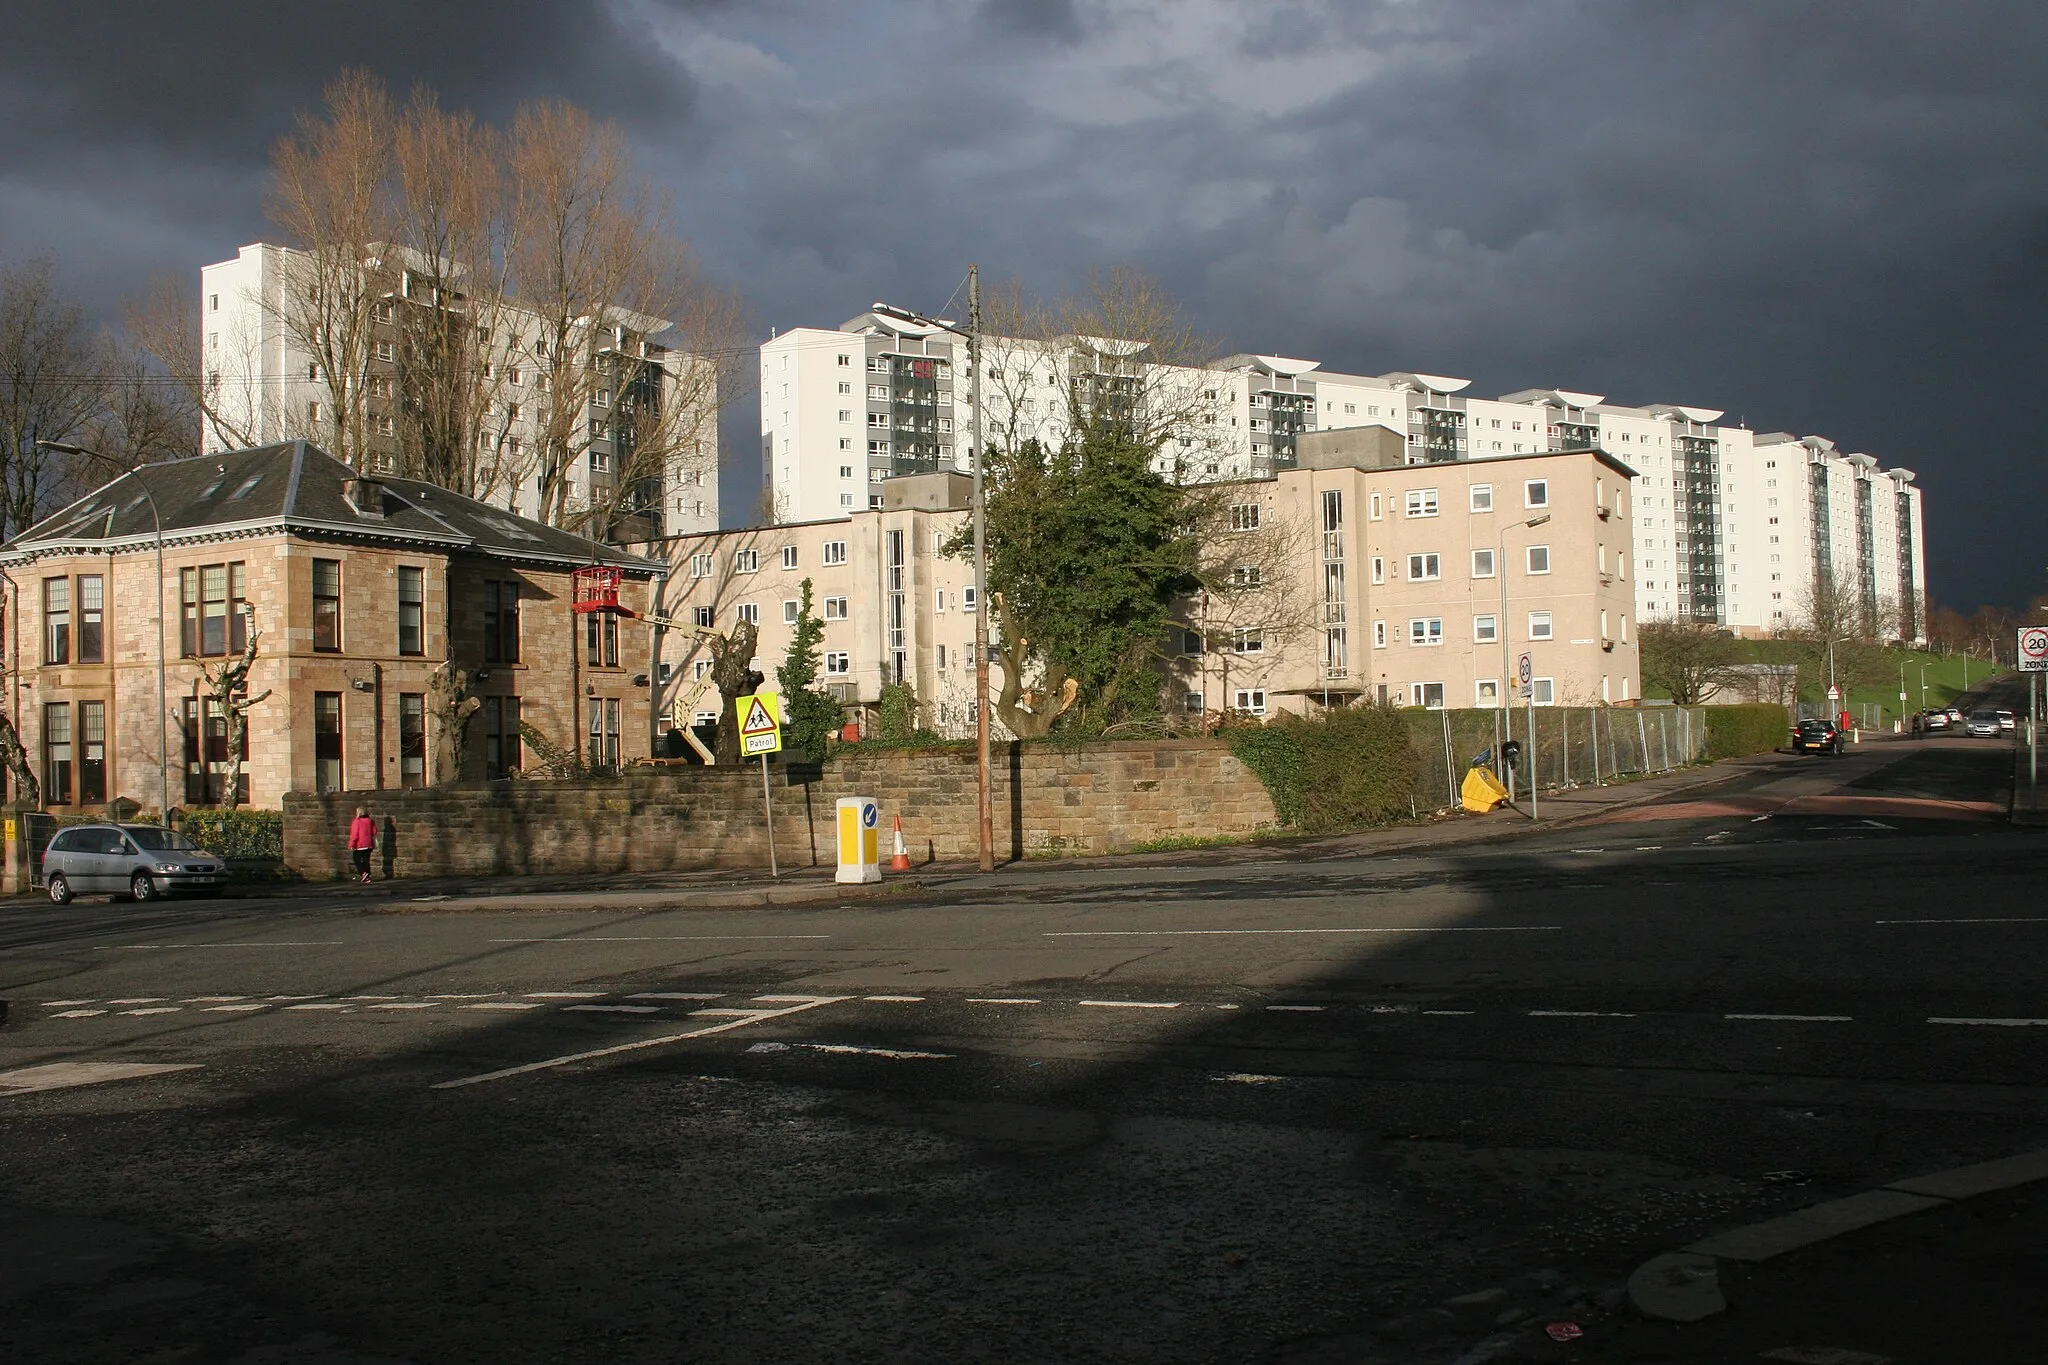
(298, 489)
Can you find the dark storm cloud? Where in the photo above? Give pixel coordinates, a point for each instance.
(1820, 217)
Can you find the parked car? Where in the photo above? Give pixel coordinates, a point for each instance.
(1955, 715)
(138, 861)
(1934, 719)
(1816, 737)
(2007, 722)
(1984, 725)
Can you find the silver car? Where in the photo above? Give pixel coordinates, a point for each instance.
(138, 861)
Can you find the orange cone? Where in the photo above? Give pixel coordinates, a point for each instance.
(899, 861)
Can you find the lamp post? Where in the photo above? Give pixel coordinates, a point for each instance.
(985, 822)
(1500, 566)
(163, 744)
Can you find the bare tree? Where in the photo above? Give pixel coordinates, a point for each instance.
(53, 372)
(1689, 658)
(1842, 634)
(450, 702)
(227, 683)
(159, 327)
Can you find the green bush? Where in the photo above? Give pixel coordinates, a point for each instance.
(1733, 731)
(236, 833)
(1344, 769)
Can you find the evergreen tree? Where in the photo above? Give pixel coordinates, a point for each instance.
(810, 715)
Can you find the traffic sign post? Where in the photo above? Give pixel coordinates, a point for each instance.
(2033, 650)
(760, 715)
(1525, 678)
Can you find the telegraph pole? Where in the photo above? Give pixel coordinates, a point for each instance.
(975, 455)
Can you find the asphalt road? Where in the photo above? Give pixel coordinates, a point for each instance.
(1307, 1108)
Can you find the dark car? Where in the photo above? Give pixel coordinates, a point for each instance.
(1816, 737)
(138, 861)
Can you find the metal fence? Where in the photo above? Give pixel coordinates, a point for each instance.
(1572, 746)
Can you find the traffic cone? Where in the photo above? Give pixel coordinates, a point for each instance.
(899, 861)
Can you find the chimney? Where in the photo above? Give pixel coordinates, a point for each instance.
(365, 496)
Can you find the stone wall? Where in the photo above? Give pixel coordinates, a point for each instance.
(1046, 800)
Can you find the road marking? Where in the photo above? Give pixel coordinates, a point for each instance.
(1579, 1014)
(614, 1009)
(664, 938)
(1248, 1078)
(214, 999)
(76, 1014)
(1649, 848)
(474, 995)
(369, 997)
(140, 1000)
(795, 999)
(500, 1005)
(1208, 933)
(157, 1009)
(282, 943)
(1001, 1000)
(564, 995)
(1295, 1009)
(1132, 1004)
(1459, 1012)
(2004, 919)
(1796, 1018)
(810, 1003)
(57, 1003)
(410, 1005)
(727, 1013)
(329, 1006)
(279, 998)
(674, 995)
(1589, 850)
(234, 1009)
(62, 1075)
(895, 1054)
(1996, 1023)
(896, 999)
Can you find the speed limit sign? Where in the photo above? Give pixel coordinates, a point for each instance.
(2033, 649)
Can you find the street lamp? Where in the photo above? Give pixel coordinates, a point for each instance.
(163, 703)
(1500, 566)
(985, 825)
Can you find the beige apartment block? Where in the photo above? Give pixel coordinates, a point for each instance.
(359, 588)
(1375, 579)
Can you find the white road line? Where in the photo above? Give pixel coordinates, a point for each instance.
(1248, 1078)
(410, 1005)
(896, 1054)
(794, 999)
(1649, 848)
(1132, 1004)
(896, 999)
(157, 1009)
(1796, 1018)
(76, 1014)
(234, 1009)
(58, 1003)
(1216, 933)
(500, 1005)
(279, 998)
(614, 1009)
(664, 938)
(1001, 1000)
(329, 1006)
(1996, 1023)
(615, 1050)
(62, 1075)
(674, 995)
(1295, 1009)
(369, 997)
(1579, 1014)
(473, 995)
(2002, 919)
(282, 943)
(728, 1014)
(564, 995)
(1589, 850)
(1456, 1012)
(140, 1000)
(214, 999)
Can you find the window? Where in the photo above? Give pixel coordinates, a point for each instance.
(750, 612)
(601, 639)
(1191, 702)
(1536, 493)
(1247, 577)
(1426, 630)
(1482, 497)
(1486, 692)
(1252, 700)
(967, 599)
(835, 609)
(790, 606)
(57, 625)
(1539, 559)
(746, 561)
(212, 617)
(1482, 563)
(846, 499)
(1539, 625)
(1425, 568)
(213, 303)
(942, 656)
(706, 617)
(835, 552)
(501, 621)
(412, 631)
(1421, 502)
(57, 753)
(1545, 691)
(604, 733)
(1378, 507)
(326, 613)
(1485, 630)
(1249, 640)
(326, 741)
(938, 599)
(1379, 635)
(846, 360)
(412, 739)
(502, 756)
(1379, 569)
(701, 566)
(92, 757)
(846, 414)
(1430, 695)
(789, 556)
(838, 662)
(1244, 516)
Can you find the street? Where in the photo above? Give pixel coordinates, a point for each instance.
(1298, 1106)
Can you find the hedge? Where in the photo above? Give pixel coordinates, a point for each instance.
(1758, 728)
(239, 833)
(1346, 768)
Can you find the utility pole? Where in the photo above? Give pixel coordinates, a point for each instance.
(975, 455)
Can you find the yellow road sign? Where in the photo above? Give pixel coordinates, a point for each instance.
(760, 723)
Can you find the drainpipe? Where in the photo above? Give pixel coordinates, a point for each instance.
(655, 633)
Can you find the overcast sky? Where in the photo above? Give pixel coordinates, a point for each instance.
(1825, 218)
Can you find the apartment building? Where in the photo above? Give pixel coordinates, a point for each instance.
(359, 586)
(268, 388)
(1390, 590)
(1715, 521)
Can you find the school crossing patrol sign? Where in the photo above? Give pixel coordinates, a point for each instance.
(760, 723)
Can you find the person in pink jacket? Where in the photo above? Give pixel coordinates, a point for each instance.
(362, 837)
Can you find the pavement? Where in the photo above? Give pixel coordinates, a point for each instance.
(1328, 1100)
